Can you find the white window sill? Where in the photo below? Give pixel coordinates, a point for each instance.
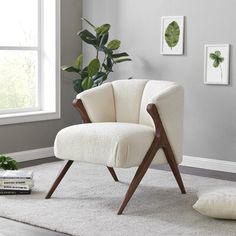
(25, 117)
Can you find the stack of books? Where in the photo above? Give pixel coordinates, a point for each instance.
(16, 182)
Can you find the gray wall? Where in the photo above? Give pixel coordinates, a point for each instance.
(210, 114)
(20, 137)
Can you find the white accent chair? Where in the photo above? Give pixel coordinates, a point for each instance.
(127, 123)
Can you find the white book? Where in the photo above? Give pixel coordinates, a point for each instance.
(15, 181)
(16, 174)
(28, 183)
(20, 187)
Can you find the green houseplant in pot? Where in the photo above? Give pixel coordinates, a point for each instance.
(7, 163)
(105, 57)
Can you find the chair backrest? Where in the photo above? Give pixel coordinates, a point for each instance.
(127, 99)
(131, 98)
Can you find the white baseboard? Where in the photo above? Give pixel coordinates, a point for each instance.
(210, 164)
(33, 154)
(197, 162)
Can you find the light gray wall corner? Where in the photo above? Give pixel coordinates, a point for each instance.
(26, 136)
(210, 111)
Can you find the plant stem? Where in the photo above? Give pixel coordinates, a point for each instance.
(105, 57)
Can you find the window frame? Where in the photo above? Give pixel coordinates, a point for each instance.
(44, 110)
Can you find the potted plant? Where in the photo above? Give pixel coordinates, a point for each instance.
(7, 163)
(99, 67)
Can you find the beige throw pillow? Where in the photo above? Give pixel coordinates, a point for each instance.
(218, 203)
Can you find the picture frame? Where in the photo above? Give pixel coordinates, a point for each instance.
(172, 35)
(216, 64)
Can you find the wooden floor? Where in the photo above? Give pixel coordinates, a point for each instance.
(13, 228)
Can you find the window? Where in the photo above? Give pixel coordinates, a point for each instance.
(29, 60)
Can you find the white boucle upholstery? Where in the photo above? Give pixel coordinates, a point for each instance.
(111, 144)
(128, 131)
(127, 96)
(169, 100)
(99, 103)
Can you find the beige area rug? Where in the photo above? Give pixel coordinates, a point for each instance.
(87, 200)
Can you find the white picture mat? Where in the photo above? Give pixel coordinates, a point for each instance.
(212, 75)
(178, 49)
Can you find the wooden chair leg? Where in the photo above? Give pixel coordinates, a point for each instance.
(113, 173)
(160, 130)
(59, 178)
(142, 169)
(174, 166)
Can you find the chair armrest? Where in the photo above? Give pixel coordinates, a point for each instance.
(96, 104)
(167, 109)
(170, 103)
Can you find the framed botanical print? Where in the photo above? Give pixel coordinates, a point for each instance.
(216, 64)
(172, 35)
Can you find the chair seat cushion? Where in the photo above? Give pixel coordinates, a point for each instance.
(111, 144)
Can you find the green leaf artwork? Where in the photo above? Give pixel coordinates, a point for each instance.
(172, 34)
(217, 60)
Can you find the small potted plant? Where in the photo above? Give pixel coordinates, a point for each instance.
(7, 163)
(99, 67)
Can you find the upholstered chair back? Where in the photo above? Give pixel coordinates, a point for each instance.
(127, 99)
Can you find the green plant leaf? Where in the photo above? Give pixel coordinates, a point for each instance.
(84, 72)
(7, 163)
(109, 63)
(103, 29)
(99, 78)
(218, 53)
(221, 59)
(105, 67)
(114, 44)
(172, 34)
(212, 56)
(216, 63)
(216, 57)
(87, 83)
(78, 62)
(118, 55)
(122, 60)
(108, 69)
(103, 39)
(88, 22)
(88, 37)
(106, 50)
(70, 69)
(77, 85)
(93, 67)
